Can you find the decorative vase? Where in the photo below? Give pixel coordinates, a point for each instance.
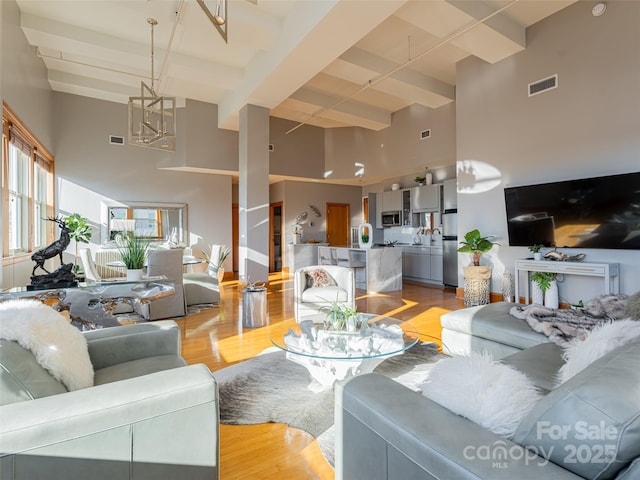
(297, 238)
(537, 255)
(551, 299)
(428, 178)
(134, 274)
(361, 229)
(507, 287)
(537, 295)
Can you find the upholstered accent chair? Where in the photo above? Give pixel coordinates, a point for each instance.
(311, 298)
(169, 264)
(203, 287)
(147, 415)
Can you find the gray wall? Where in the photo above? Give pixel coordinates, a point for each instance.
(397, 148)
(24, 86)
(297, 196)
(586, 127)
(90, 171)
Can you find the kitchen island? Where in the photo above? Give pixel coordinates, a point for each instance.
(377, 269)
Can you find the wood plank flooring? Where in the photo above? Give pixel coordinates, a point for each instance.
(216, 338)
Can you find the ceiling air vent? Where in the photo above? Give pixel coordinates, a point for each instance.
(115, 140)
(425, 134)
(271, 147)
(543, 85)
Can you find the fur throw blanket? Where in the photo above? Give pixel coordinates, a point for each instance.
(562, 326)
(58, 346)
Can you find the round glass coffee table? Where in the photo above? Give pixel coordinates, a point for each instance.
(331, 355)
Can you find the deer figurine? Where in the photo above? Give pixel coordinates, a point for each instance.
(56, 248)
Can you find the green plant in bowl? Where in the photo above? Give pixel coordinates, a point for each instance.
(133, 250)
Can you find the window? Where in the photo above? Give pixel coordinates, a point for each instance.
(27, 191)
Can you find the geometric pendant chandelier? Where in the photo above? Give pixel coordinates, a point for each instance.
(152, 119)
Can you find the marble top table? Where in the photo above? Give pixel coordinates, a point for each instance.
(92, 305)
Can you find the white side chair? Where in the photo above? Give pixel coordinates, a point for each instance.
(169, 264)
(203, 287)
(310, 300)
(90, 270)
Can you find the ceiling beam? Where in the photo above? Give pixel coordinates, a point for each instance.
(310, 41)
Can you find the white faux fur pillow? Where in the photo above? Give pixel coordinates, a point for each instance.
(488, 393)
(600, 341)
(57, 345)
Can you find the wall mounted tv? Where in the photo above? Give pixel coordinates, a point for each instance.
(601, 212)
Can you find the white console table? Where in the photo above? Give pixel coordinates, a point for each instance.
(608, 271)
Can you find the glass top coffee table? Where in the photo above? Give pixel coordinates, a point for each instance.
(331, 355)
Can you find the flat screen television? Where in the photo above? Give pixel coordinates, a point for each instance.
(601, 212)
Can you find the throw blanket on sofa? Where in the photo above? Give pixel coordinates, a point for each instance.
(562, 326)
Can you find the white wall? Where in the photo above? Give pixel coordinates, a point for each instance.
(586, 127)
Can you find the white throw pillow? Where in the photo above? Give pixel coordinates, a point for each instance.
(57, 345)
(600, 341)
(491, 394)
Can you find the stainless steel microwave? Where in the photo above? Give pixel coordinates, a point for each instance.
(391, 219)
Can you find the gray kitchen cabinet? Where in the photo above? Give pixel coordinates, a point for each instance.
(426, 198)
(392, 201)
(379, 207)
(450, 194)
(436, 264)
(416, 263)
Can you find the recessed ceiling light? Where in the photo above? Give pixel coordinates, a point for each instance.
(598, 9)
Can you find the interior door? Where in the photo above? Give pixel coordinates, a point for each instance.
(275, 234)
(338, 219)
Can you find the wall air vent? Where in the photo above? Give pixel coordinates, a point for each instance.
(115, 140)
(425, 134)
(271, 147)
(543, 85)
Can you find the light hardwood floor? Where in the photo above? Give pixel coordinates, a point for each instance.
(216, 338)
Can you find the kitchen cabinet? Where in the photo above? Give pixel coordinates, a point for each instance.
(392, 201)
(436, 264)
(450, 194)
(379, 207)
(426, 198)
(422, 264)
(416, 263)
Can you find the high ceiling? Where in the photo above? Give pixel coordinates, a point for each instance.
(327, 63)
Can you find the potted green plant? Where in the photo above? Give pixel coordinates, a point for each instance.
(546, 283)
(475, 244)
(79, 231)
(133, 252)
(420, 180)
(215, 264)
(342, 318)
(536, 249)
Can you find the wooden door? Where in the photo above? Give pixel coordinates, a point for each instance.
(338, 219)
(235, 232)
(275, 236)
(365, 210)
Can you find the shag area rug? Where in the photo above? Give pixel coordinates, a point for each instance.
(270, 388)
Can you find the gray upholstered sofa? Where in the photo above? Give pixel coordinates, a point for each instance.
(149, 415)
(387, 431)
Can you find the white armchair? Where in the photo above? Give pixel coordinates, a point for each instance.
(203, 287)
(309, 299)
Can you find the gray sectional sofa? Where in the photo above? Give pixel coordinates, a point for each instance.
(588, 427)
(149, 415)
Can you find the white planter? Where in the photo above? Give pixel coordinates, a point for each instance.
(134, 275)
(537, 295)
(537, 256)
(551, 299)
